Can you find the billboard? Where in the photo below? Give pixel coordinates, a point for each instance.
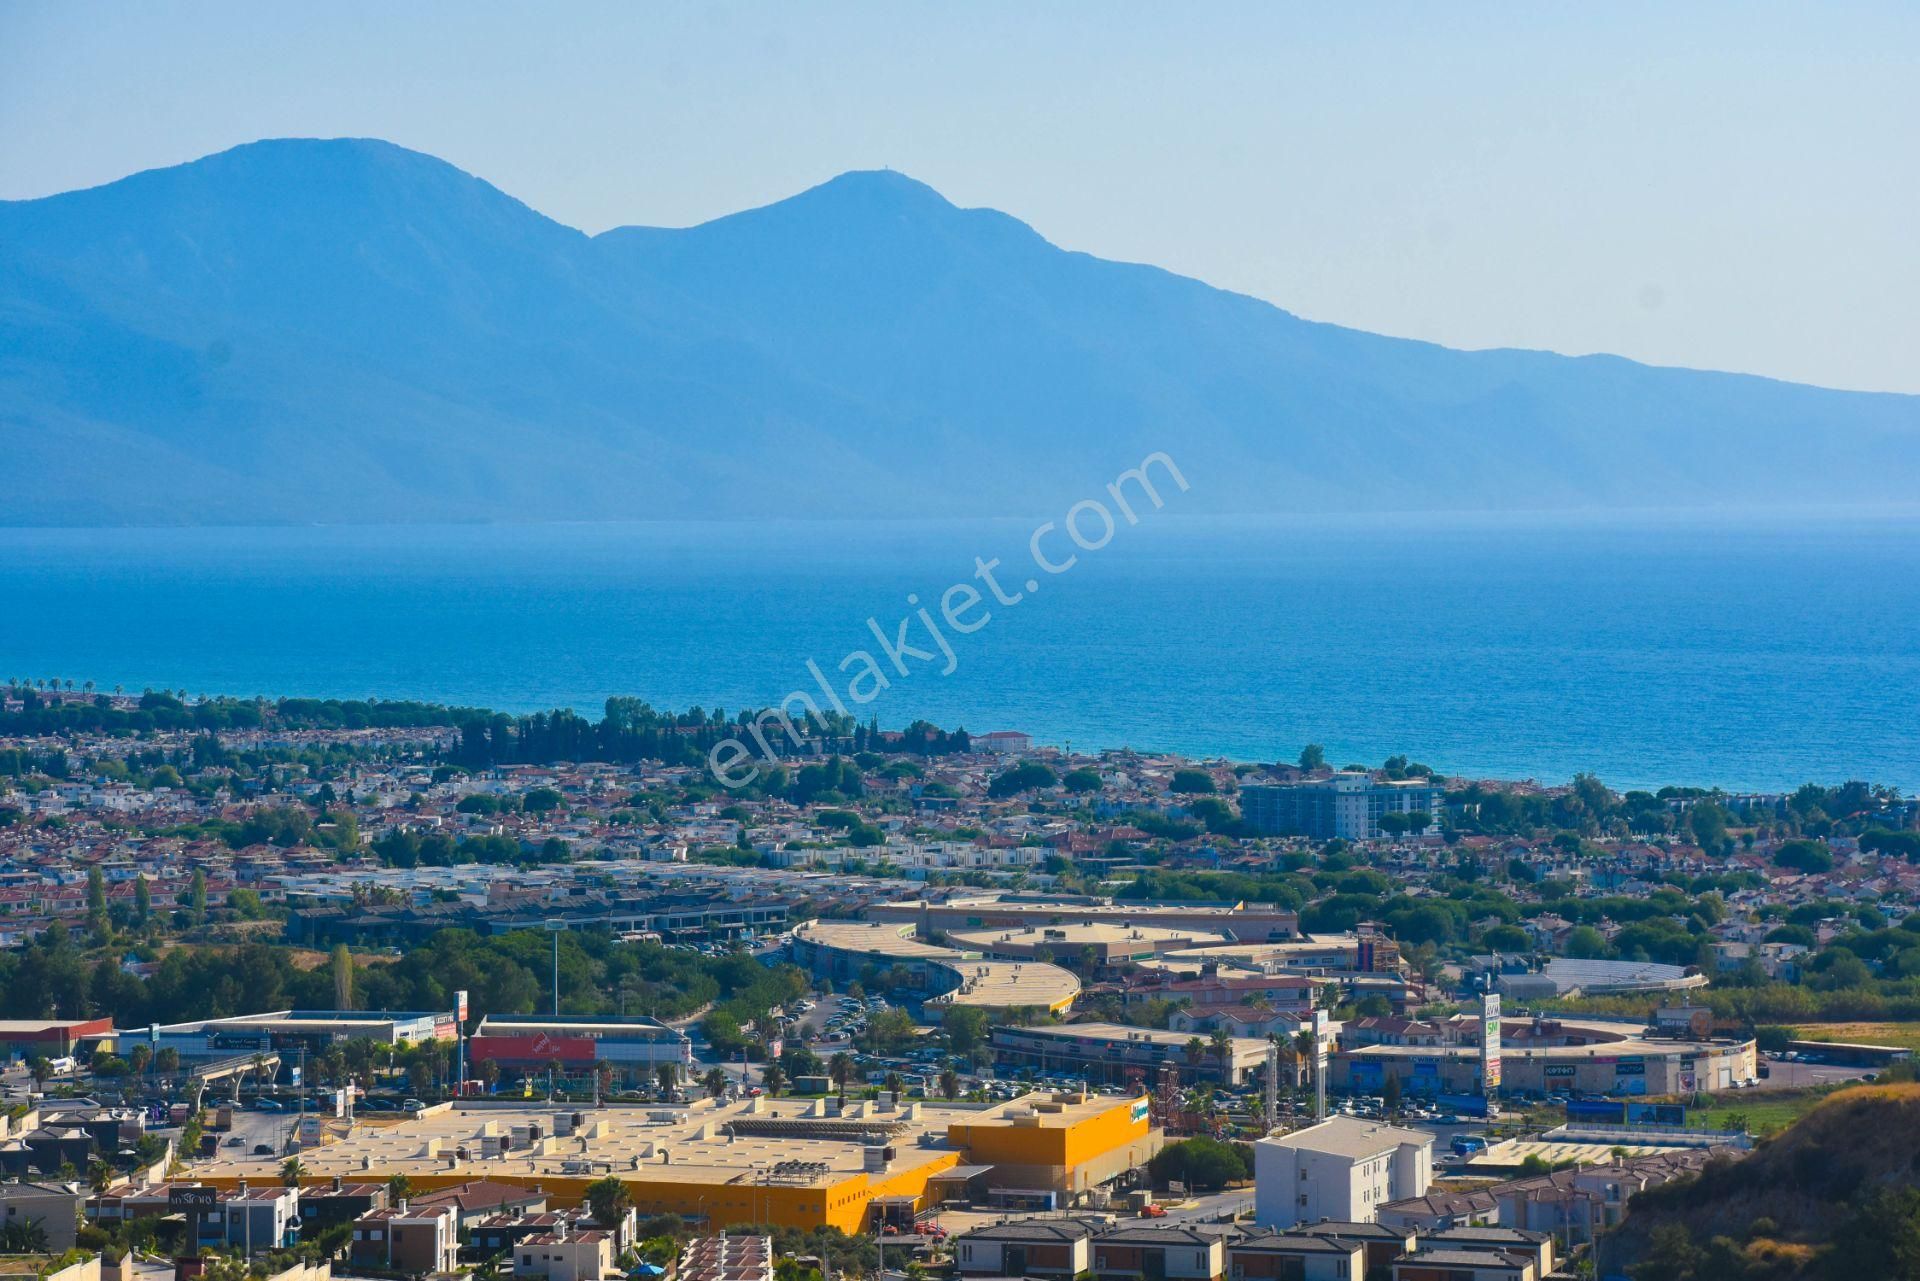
(1656, 1114)
(460, 1007)
(538, 1048)
(1490, 1044)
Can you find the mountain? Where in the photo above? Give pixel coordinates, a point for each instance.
(343, 330)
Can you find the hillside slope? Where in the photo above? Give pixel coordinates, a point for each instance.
(1835, 1195)
(344, 330)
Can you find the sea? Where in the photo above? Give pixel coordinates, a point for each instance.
(1749, 652)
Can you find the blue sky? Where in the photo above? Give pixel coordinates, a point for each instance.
(1723, 186)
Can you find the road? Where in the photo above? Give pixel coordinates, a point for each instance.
(1793, 1076)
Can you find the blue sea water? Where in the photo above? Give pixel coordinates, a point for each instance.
(1739, 653)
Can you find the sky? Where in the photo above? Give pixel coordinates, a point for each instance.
(1712, 185)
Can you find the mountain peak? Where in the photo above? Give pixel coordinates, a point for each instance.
(344, 329)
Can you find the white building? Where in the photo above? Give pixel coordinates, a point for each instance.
(1343, 1169)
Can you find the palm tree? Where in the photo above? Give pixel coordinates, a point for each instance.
(840, 1070)
(1309, 1051)
(1289, 1060)
(950, 1084)
(669, 1075)
(1221, 1043)
(99, 1176)
(399, 1188)
(893, 1087)
(715, 1081)
(290, 1172)
(1196, 1050)
(774, 1079)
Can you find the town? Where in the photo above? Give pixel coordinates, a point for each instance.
(386, 989)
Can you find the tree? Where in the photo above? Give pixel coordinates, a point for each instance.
(1023, 777)
(610, 1199)
(774, 1078)
(668, 1075)
(1313, 757)
(97, 919)
(197, 897)
(715, 1082)
(1586, 943)
(893, 1087)
(965, 1026)
(23, 1236)
(1882, 1239)
(949, 1084)
(399, 1188)
(1811, 857)
(1390, 1094)
(342, 962)
(1672, 1255)
(290, 1171)
(1201, 1163)
(840, 1071)
(142, 901)
(1081, 781)
(1191, 782)
(1221, 1043)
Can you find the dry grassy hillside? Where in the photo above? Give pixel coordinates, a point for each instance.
(1835, 1195)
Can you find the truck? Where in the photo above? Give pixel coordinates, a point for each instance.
(1468, 1144)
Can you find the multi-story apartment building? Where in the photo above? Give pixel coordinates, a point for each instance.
(1349, 805)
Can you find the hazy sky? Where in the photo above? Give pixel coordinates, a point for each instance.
(1724, 186)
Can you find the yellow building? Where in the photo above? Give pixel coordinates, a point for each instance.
(793, 1162)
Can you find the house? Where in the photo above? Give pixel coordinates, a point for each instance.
(55, 1207)
(479, 1198)
(339, 1202)
(261, 1219)
(1025, 1248)
(1537, 1246)
(1296, 1256)
(565, 1254)
(1437, 1211)
(1382, 1244)
(1159, 1251)
(727, 1258)
(1465, 1265)
(418, 1240)
(1342, 1168)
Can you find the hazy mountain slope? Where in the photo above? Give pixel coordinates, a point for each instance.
(344, 330)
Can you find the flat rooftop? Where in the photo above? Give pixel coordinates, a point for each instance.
(707, 1143)
(987, 984)
(1243, 1046)
(1619, 1039)
(1084, 934)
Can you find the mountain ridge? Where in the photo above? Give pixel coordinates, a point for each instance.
(346, 330)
